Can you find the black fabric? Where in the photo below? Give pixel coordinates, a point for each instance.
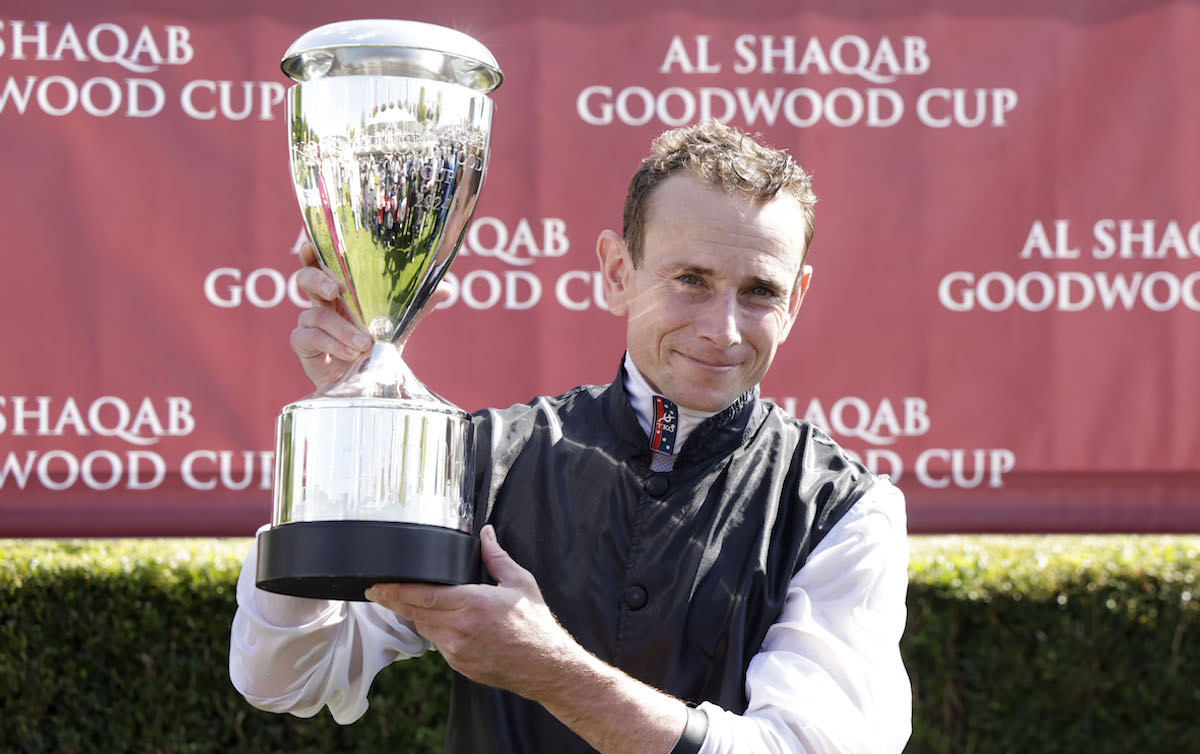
(676, 588)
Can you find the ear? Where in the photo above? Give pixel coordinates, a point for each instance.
(615, 266)
(797, 299)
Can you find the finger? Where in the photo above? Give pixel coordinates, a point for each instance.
(384, 596)
(308, 255)
(328, 321)
(308, 342)
(318, 284)
(418, 601)
(403, 609)
(499, 563)
(441, 294)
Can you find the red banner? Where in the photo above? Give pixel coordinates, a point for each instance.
(1007, 258)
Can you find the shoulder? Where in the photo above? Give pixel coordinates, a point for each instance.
(542, 404)
(808, 442)
(881, 504)
(521, 419)
(824, 474)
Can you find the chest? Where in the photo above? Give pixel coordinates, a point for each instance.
(673, 577)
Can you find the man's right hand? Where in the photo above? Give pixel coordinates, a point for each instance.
(326, 339)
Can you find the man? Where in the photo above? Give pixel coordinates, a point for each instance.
(745, 566)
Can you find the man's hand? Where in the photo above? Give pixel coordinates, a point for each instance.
(506, 636)
(502, 635)
(326, 339)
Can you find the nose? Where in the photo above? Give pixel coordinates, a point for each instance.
(717, 321)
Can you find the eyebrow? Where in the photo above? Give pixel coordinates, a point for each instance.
(754, 281)
(689, 269)
(774, 285)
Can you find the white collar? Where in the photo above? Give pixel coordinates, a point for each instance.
(641, 398)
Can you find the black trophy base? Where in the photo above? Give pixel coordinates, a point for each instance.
(339, 560)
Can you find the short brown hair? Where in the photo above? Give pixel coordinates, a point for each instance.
(720, 156)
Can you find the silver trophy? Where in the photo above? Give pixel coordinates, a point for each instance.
(388, 127)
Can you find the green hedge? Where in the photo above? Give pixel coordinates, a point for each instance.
(1047, 644)
(1055, 644)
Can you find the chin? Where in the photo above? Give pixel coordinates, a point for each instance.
(708, 401)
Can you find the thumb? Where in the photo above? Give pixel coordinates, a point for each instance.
(441, 294)
(499, 563)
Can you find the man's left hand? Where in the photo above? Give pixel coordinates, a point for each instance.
(502, 635)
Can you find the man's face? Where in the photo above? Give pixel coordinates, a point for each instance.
(716, 292)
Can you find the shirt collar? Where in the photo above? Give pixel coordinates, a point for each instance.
(718, 435)
(641, 398)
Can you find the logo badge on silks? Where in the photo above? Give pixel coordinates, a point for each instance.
(666, 422)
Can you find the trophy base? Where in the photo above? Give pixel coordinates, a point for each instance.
(339, 560)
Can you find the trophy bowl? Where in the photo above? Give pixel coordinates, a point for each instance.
(388, 125)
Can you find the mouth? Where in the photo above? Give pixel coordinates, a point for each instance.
(712, 364)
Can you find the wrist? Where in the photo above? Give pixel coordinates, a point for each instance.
(694, 732)
(613, 711)
(571, 673)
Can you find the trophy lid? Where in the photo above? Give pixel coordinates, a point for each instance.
(382, 47)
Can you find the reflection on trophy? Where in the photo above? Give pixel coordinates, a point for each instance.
(389, 124)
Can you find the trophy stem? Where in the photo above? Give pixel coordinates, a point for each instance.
(380, 373)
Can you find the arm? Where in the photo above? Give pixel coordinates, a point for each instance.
(505, 636)
(828, 678)
(289, 654)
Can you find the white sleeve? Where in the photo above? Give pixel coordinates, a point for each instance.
(829, 677)
(290, 654)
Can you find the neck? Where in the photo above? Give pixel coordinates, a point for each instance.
(641, 398)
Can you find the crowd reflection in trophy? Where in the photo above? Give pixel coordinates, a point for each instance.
(406, 194)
